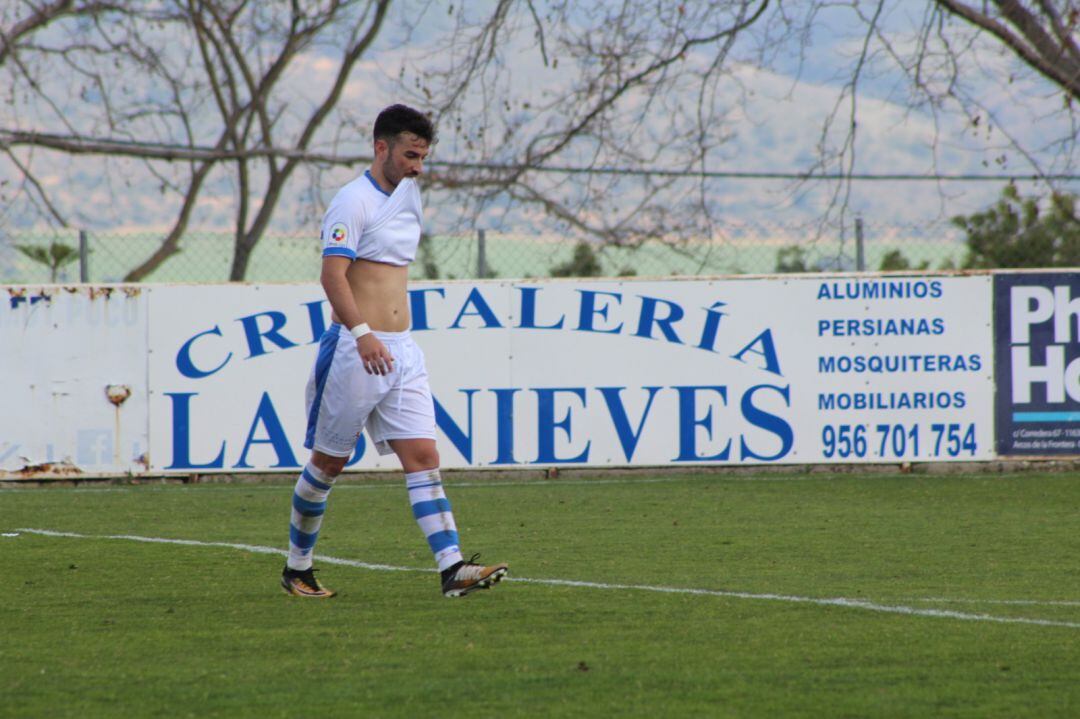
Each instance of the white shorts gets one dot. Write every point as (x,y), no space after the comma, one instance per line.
(342,398)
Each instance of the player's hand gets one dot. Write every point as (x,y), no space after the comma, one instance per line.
(374,355)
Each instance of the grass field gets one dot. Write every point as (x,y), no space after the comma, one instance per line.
(697,595)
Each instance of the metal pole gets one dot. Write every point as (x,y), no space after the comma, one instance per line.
(860,255)
(481,255)
(84,257)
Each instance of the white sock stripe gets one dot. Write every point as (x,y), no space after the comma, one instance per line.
(448,557)
(428,476)
(433,523)
(834,602)
(426,491)
(319,474)
(310,492)
(307,525)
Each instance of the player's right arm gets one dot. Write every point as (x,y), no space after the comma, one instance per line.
(342,228)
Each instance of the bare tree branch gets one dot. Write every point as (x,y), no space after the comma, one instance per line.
(1033,44)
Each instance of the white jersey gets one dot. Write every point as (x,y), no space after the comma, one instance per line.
(364,222)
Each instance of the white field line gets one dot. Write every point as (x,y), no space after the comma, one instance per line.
(794,599)
(1018,602)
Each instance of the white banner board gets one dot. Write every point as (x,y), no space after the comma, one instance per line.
(601,373)
(73,381)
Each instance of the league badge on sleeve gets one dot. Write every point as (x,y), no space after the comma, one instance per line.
(338,233)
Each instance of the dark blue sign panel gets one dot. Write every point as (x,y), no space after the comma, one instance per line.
(1037,361)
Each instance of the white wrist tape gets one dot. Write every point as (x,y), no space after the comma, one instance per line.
(360,330)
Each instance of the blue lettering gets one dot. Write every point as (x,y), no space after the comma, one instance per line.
(767,352)
(504,432)
(275,436)
(628,437)
(358,452)
(589,310)
(648,318)
(768,422)
(461,440)
(255,336)
(317,319)
(34,299)
(483,311)
(712,325)
(187,367)
(418,306)
(546,425)
(528,311)
(688,424)
(181,431)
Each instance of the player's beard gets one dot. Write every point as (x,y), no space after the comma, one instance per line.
(394,174)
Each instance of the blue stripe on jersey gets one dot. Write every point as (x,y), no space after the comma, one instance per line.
(308,508)
(322,371)
(368,175)
(339,252)
(434,506)
(302,540)
(442,540)
(310,479)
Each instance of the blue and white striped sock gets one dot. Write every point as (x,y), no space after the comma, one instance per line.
(432,511)
(308,507)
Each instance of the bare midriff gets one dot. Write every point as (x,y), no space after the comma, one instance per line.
(380,294)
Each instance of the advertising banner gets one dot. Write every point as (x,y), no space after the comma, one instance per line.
(1037,330)
(903,369)
(600,373)
(73,381)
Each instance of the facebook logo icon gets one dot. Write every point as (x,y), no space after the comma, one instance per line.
(93,447)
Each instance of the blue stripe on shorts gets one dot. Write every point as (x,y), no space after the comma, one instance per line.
(322,371)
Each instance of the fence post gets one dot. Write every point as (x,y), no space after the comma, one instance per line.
(84,257)
(481,255)
(860,255)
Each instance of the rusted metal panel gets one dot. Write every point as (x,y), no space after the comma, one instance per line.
(73,377)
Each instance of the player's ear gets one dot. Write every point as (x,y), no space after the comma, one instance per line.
(382,147)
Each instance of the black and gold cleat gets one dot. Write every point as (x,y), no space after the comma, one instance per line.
(467,577)
(302,583)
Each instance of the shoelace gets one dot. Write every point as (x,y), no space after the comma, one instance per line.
(470,569)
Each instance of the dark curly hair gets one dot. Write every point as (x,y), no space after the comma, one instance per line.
(400,118)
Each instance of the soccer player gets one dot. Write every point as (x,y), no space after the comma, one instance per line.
(369,372)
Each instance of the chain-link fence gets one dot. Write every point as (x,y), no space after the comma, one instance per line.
(72,256)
